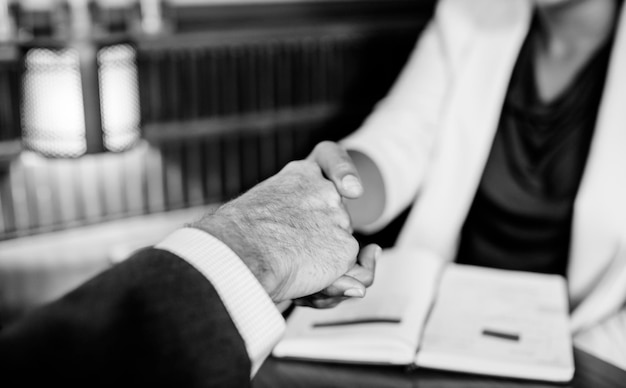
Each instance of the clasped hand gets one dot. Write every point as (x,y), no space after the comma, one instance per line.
(294,233)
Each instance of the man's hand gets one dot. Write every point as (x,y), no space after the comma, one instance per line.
(293,232)
(339,167)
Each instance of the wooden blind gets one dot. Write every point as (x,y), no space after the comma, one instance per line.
(223,106)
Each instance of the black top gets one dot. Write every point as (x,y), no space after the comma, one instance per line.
(522,212)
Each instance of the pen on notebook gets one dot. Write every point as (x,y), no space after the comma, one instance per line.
(360,321)
(501,334)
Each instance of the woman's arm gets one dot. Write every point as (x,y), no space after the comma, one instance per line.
(390,152)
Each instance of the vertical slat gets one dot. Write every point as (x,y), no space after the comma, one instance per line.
(169,87)
(283,77)
(213,83)
(88,172)
(266,74)
(228,86)
(205,86)
(194,173)
(305,56)
(333,63)
(9,100)
(345,51)
(134,178)
(166,107)
(64,192)
(318,73)
(30,192)
(266,77)
(231,165)
(110,171)
(220,80)
(44,194)
(177,98)
(38,191)
(298,79)
(303,141)
(3,229)
(268,154)
(236,59)
(145,94)
(155,184)
(250,161)
(248,84)
(184,85)
(193,100)
(284,146)
(6,100)
(173,169)
(200,71)
(18,192)
(213,171)
(155,62)
(6,203)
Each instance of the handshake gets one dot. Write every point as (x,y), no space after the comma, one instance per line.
(294,233)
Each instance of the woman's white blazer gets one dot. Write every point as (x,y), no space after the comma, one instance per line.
(431,136)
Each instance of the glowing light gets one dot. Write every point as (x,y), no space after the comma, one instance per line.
(53,114)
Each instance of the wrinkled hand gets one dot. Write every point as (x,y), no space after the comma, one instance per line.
(293,233)
(339,168)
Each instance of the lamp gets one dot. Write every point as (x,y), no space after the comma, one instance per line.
(79,87)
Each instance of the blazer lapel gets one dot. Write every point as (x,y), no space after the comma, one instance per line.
(468,128)
(600,210)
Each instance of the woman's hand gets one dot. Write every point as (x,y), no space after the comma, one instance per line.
(350,285)
(338,167)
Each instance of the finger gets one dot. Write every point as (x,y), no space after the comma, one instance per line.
(303,302)
(365,268)
(360,276)
(337,165)
(345,286)
(344,208)
(328,303)
(320,303)
(342,218)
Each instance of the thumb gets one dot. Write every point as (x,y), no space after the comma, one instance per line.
(338,167)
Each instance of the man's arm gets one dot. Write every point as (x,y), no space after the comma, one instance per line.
(152,320)
(254,314)
(155,319)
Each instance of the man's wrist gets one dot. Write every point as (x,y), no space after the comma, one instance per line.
(252,311)
(242,244)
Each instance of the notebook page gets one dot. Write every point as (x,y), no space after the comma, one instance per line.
(384,327)
(499,322)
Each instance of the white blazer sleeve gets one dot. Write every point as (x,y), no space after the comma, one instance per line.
(400,133)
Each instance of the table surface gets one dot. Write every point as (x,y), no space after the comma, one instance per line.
(591,372)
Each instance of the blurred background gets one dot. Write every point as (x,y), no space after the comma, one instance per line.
(121,120)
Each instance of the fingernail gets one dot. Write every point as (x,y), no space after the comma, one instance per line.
(354,293)
(351,184)
(377,253)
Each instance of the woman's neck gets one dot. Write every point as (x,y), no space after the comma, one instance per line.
(571,27)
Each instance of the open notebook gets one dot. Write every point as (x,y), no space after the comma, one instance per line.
(425,313)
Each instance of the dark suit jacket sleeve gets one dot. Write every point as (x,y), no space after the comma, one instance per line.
(152,320)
